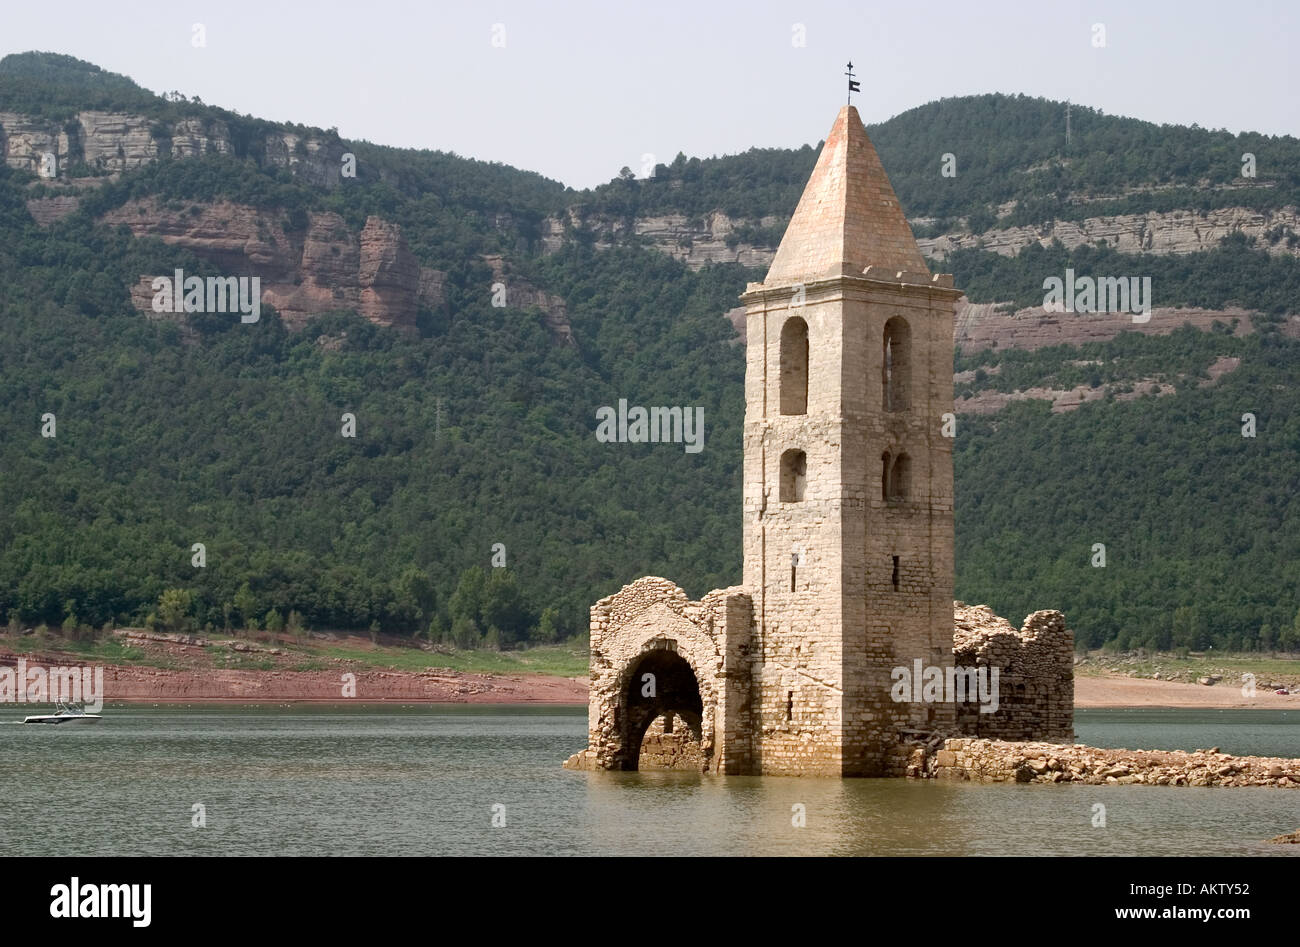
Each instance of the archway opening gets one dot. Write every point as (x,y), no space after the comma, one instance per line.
(664,714)
(896,367)
(794,476)
(900,478)
(794,366)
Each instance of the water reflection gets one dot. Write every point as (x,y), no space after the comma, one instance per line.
(425,781)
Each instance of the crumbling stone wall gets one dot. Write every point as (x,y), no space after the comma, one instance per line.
(1036,674)
(670,743)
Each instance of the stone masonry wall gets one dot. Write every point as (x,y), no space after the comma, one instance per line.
(675,750)
(873,583)
(1036,674)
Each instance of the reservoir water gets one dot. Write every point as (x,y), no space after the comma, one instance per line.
(431,780)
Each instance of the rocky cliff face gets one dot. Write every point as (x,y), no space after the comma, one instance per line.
(46,210)
(520,294)
(1172,232)
(704,240)
(110,141)
(23,140)
(314,160)
(700,241)
(326,268)
(989,326)
(303,274)
(388,275)
(695,241)
(193,137)
(116,141)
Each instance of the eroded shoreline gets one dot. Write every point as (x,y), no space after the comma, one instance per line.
(142,683)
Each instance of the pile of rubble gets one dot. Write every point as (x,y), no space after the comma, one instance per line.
(1001,761)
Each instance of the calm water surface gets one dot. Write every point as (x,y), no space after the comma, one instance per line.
(424,781)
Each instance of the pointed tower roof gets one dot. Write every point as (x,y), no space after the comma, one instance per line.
(848,218)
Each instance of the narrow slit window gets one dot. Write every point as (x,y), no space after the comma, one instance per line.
(789,705)
(895,573)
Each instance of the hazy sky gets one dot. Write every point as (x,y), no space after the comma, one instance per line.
(578,90)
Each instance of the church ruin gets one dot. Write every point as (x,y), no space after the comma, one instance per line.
(848,535)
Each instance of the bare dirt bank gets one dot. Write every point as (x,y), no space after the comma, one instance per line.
(1099,692)
(440,685)
(435,686)
(445,686)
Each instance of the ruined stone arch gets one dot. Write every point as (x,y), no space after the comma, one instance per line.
(794,366)
(678,692)
(650,627)
(664,642)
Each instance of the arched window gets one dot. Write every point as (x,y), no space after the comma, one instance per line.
(896,370)
(794,366)
(900,478)
(885,466)
(794,471)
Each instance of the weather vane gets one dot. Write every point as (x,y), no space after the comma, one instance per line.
(853,85)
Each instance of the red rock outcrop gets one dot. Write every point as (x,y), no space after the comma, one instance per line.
(325,269)
(983,326)
(46,210)
(238,238)
(389,275)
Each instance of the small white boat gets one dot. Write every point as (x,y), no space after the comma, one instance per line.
(65,713)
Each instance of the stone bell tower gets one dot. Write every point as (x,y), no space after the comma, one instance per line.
(848,489)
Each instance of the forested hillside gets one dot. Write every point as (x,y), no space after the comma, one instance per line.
(477,428)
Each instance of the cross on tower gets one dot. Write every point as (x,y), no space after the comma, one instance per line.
(853,86)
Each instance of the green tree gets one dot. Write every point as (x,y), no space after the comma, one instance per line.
(70,621)
(548,630)
(503,609)
(246,605)
(467,601)
(174,607)
(465,633)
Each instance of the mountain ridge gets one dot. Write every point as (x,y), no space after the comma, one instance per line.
(475,419)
